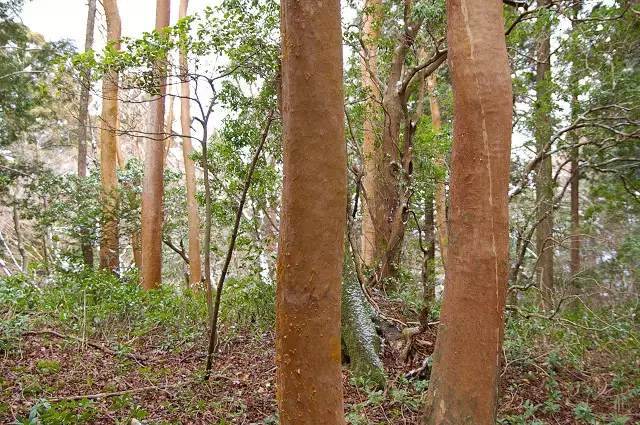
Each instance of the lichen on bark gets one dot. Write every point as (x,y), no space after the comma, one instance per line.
(358,330)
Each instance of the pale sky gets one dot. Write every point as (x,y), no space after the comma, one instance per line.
(67,19)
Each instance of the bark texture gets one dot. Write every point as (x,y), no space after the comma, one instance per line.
(544,170)
(441,186)
(153,183)
(359,334)
(312,225)
(464,379)
(83,124)
(370,33)
(109,244)
(193,216)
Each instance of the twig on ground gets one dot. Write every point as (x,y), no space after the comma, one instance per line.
(96,345)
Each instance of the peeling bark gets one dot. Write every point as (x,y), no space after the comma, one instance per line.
(464,379)
(109,244)
(314,200)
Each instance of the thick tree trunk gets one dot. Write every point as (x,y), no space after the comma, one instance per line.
(358,330)
(83,125)
(370,33)
(312,225)
(464,378)
(109,244)
(193,217)
(153,184)
(544,170)
(441,186)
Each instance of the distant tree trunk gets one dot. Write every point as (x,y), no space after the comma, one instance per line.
(83,125)
(575,171)
(428,266)
(109,246)
(153,183)
(16,224)
(544,170)
(370,33)
(193,218)
(270,240)
(312,225)
(441,186)
(168,129)
(136,237)
(464,380)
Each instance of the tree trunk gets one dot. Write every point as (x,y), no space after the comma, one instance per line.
(310,248)
(544,170)
(270,240)
(465,374)
(575,156)
(16,225)
(441,186)
(428,263)
(168,129)
(153,183)
(83,125)
(370,33)
(358,330)
(109,246)
(193,218)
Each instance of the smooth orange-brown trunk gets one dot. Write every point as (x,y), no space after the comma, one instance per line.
(464,379)
(109,244)
(193,217)
(441,186)
(312,225)
(153,184)
(369,67)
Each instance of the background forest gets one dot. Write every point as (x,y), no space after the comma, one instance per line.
(167,151)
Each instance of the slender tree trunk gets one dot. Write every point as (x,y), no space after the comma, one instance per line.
(153,183)
(310,248)
(136,237)
(270,240)
(193,218)
(16,224)
(464,379)
(428,266)
(109,246)
(83,124)
(369,66)
(168,129)
(544,171)
(575,171)
(441,186)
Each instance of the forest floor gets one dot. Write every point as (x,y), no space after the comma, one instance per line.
(61,380)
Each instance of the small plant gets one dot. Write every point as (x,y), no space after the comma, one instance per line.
(48,367)
(582,412)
